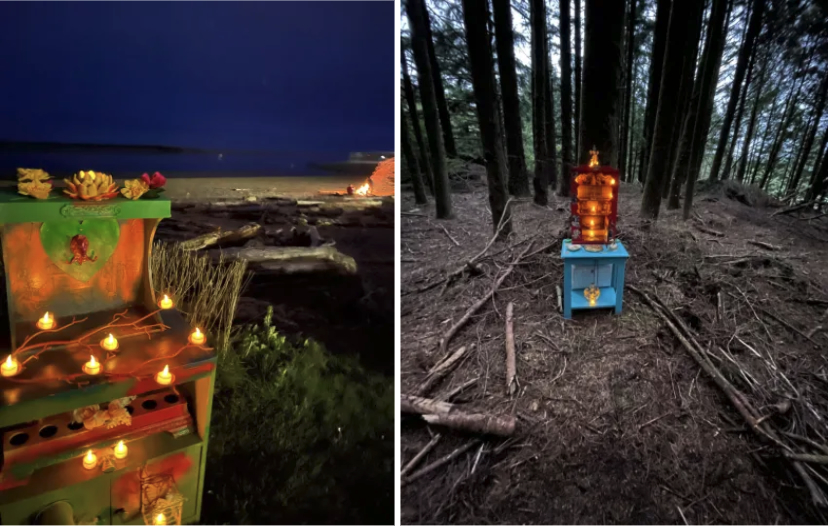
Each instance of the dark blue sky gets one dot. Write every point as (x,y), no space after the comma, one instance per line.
(298,77)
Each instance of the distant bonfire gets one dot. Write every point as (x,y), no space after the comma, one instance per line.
(379,183)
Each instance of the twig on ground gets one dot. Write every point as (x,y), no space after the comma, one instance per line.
(441,369)
(708,230)
(420,455)
(762,244)
(439,462)
(456,391)
(455,241)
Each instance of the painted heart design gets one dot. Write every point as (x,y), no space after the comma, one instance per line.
(102,238)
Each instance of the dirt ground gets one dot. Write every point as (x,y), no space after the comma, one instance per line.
(616,423)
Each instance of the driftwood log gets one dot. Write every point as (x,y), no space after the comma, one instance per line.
(447,415)
(292,260)
(221,237)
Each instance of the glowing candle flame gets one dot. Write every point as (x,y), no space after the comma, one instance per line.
(90,460)
(10,367)
(165,302)
(197,337)
(110,343)
(9,362)
(159,519)
(46,322)
(164,377)
(120,450)
(92,366)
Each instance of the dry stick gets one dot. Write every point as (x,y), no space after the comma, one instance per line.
(734,396)
(708,230)
(417,458)
(438,463)
(793,208)
(805,440)
(444,342)
(787,325)
(456,391)
(767,246)
(814,459)
(440,370)
(512,382)
(421,406)
(455,241)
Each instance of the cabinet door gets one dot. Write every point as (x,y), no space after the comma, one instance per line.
(583,276)
(604,274)
(89,500)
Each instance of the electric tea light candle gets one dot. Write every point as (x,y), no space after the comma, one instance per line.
(165,302)
(110,343)
(90,460)
(92,366)
(159,519)
(120,450)
(11,366)
(197,337)
(164,377)
(46,322)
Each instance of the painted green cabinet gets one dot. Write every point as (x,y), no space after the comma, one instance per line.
(88,265)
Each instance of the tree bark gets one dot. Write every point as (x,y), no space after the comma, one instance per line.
(577,79)
(623,149)
(681,142)
(752,121)
(780,135)
(817,185)
(411,161)
(475,18)
(550,120)
(707,86)
(738,120)
(443,201)
(566,99)
(764,142)
(518,183)
(810,137)
(539,71)
(411,102)
(742,62)
(440,93)
(659,165)
(660,35)
(601,83)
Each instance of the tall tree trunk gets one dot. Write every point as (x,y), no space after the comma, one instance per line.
(742,63)
(629,83)
(738,120)
(443,200)
(680,152)
(475,17)
(440,93)
(764,141)
(660,35)
(577,79)
(633,149)
(550,120)
(810,136)
(566,100)
(518,183)
(411,161)
(411,102)
(818,179)
(601,81)
(752,121)
(680,31)
(780,136)
(710,70)
(538,19)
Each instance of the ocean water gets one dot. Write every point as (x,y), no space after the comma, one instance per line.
(127,163)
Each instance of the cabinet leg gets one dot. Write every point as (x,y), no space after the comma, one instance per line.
(568,284)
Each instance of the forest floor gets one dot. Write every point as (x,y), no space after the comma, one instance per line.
(616,423)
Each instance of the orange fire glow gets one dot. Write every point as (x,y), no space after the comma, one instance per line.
(363,190)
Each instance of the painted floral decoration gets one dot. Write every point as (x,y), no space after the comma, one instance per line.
(155,183)
(91,186)
(33,182)
(135,188)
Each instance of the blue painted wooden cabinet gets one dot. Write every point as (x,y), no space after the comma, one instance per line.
(605,270)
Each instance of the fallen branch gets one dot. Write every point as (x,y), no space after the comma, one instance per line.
(447,415)
(456,391)
(440,370)
(444,342)
(455,241)
(294,260)
(767,246)
(417,458)
(708,230)
(512,382)
(439,462)
(737,399)
(813,459)
(786,324)
(793,208)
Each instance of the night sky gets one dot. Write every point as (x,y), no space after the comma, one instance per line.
(309,78)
